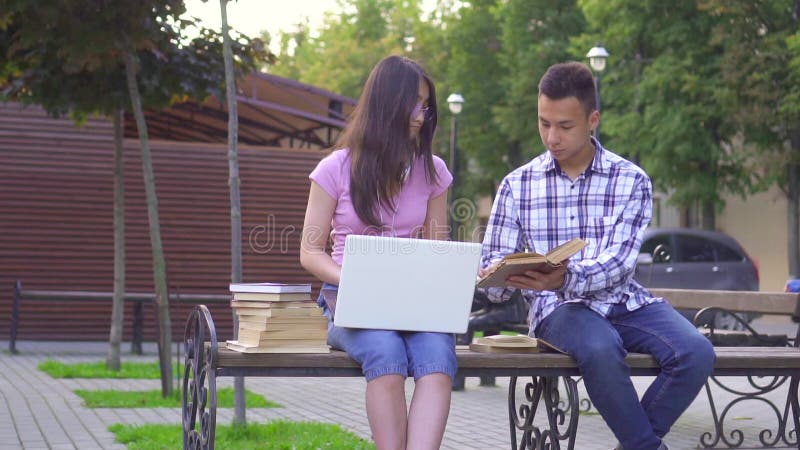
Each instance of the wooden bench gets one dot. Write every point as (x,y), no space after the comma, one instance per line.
(206,360)
(707,303)
(138,299)
(730,302)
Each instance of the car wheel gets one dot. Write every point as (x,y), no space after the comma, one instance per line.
(725,321)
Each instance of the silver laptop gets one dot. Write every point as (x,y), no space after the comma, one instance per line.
(406,284)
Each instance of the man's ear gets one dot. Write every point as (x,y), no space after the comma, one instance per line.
(594,120)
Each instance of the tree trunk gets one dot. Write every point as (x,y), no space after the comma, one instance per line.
(118,303)
(514,154)
(709,215)
(793,223)
(159,266)
(239,411)
(793,210)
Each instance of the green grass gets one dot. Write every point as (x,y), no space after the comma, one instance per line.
(277,435)
(97,369)
(153,399)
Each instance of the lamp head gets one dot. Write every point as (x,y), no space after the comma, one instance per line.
(455,102)
(597,58)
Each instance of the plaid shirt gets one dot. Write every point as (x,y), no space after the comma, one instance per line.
(609,205)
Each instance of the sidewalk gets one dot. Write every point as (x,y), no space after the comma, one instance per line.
(39,412)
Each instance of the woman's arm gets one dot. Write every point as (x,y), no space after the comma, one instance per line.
(316,232)
(435,226)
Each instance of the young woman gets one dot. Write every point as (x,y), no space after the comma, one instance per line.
(384,180)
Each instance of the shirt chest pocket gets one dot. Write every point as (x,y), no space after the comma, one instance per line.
(600,230)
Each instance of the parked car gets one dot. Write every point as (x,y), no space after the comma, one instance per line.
(685,258)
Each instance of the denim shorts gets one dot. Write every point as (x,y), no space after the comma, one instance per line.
(389,352)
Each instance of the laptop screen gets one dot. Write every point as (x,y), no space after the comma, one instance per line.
(406,284)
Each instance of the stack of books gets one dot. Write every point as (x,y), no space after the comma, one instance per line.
(278,318)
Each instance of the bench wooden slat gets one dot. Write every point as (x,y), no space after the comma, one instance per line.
(337,359)
(727,358)
(785,303)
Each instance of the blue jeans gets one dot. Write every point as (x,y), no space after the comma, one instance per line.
(390,352)
(599,345)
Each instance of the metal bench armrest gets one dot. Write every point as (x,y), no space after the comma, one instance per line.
(199,390)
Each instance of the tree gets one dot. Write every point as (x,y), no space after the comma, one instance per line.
(665,100)
(792,109)
(85,57)
(761,44)
(233,183)
(473,36)
(535,35)
(349,44)
(118,300)
(498,52)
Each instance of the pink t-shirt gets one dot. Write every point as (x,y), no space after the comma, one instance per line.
(333,176)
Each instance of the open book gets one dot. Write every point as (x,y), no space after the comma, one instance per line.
(503,343)
(517,263)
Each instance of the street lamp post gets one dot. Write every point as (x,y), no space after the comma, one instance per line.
(597,59)
(455,102)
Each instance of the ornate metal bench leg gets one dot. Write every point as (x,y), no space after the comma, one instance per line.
(199,390)
(521,417)
(707,439)
(758,388)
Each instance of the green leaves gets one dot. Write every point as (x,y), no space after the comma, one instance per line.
(67,55)
(350,44)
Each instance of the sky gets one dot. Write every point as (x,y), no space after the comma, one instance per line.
(252,16)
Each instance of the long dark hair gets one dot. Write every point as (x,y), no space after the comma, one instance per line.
(381,150)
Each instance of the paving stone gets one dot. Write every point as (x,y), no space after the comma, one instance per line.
(38,412)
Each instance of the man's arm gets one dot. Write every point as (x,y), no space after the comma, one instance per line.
(503,236)
(592,278)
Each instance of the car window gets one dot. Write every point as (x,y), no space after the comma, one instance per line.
(725,253)
(659,246)
(695,249)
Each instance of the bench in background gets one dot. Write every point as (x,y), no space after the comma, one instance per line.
(78,297)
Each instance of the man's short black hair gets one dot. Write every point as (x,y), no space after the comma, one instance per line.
(570,79)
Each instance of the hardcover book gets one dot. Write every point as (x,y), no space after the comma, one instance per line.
(270,288)
(244,348)
(518,263)
(502,343)
(265,297)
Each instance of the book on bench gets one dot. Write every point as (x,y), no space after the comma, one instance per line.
(518,263)
(300,348)
(271,288)
(505,343)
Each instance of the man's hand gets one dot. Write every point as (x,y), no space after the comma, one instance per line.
(539,281)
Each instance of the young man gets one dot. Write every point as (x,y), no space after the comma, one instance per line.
(591,307)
